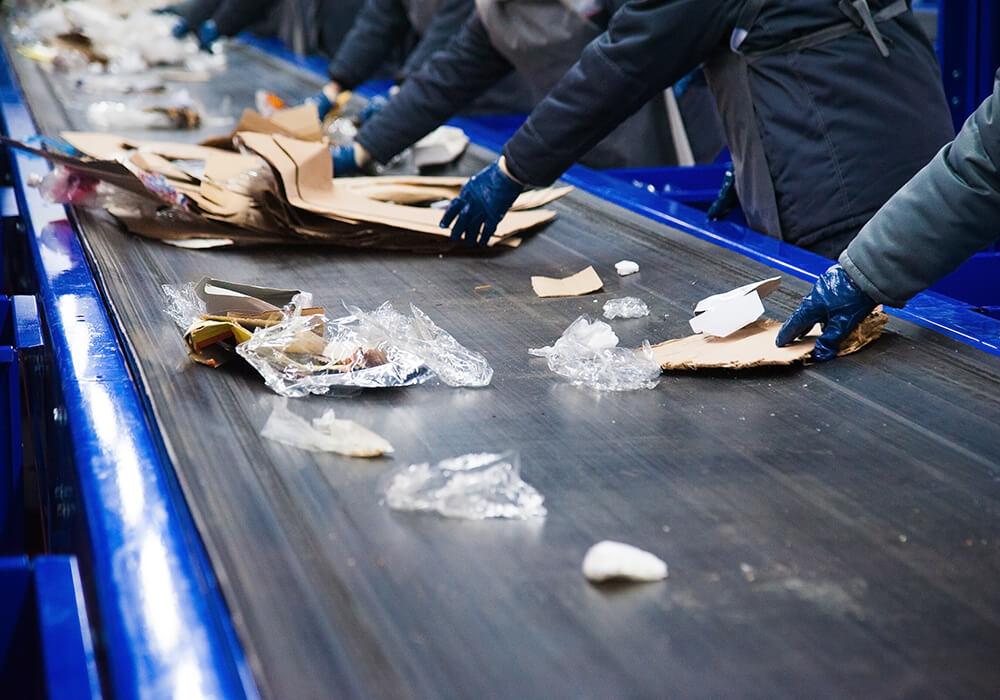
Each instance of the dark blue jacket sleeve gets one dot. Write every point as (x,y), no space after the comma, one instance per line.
(946,213)
(649,45)
(196,13)
(452,79)
(379,26)
(447,23)
(233,16)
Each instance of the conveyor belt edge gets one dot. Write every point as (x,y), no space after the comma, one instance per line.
(931,310)
(164,625)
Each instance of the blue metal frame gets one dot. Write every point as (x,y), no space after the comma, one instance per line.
(164,626)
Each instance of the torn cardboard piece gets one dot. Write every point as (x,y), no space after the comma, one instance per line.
(753,346)
(583,282)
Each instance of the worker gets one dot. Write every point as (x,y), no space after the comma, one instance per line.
(210,20)
(828,108)
(946,213)
(540,39)
(382,26)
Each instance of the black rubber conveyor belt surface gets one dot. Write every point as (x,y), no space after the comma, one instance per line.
(830,531)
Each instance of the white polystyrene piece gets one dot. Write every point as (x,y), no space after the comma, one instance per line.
(609,560)
(727,318)
(626,267)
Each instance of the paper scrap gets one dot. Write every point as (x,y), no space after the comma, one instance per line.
(583,282)
(729,316)
(626,267)
(763,289)
(324,434)
(609,560)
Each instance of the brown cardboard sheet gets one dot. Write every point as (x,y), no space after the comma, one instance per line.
(753,346)
(583,282)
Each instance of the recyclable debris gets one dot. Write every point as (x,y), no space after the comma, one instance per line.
(324,434)
(587,353)
(626,267)
(472,487)
(610,561)
(583,282)
(626,307)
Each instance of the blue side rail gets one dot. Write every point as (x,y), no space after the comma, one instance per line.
(164,628)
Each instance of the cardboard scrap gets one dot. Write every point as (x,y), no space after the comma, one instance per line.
(197,192)
(753,346)
(583,282)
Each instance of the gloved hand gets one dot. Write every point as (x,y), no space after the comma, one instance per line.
(481,205)
(167,10)
(727,200)
(207,35)
(344,161)
(837,304)
(373,107)
(322,101)
(181,29)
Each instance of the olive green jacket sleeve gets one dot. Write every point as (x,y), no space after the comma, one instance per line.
(949,211)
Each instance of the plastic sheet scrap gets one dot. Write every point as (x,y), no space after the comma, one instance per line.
(587,352)
(181,114)
(472,487)
(324,434)
(305,354)
(626,307)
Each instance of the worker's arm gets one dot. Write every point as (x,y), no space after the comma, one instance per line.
(233,16)
(379,26)
(446,24)
(193,15)
(649,44)
(947,212)
(453,78)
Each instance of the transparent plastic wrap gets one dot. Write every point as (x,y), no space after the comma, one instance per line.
(626,307)
(114,116)
(254,181)
(341,131)
(324,434)
(184,306)
(472,487)
(63,185)
(383,348)
(587,353)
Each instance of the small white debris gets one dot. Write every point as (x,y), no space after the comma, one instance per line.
(626,267)
(324,434)
(748,572)
(609,560)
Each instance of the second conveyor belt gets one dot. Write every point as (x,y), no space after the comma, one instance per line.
(830,531)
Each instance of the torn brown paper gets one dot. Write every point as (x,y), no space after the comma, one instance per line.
(753,346)
(583,282)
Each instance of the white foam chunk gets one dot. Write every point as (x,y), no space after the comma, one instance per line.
(609,560)
(626,267)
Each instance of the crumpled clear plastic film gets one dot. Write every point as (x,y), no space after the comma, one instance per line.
(453,363)
(473,487)
(383,348)
(626,307)
(184,306)
(587,352)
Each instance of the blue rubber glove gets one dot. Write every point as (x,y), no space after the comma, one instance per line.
(344,162)
(837,304)
(167,10)
(481,205)
(322,102)
(207,35)
(373,107)
(181,29)
(727,199)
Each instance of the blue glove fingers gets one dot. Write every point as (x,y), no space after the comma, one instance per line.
(466,227)
(489,228)
(344,162)
(798,324)
(453,210)
(839,327)
(181,29)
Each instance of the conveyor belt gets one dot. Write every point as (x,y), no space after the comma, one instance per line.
(833,531)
